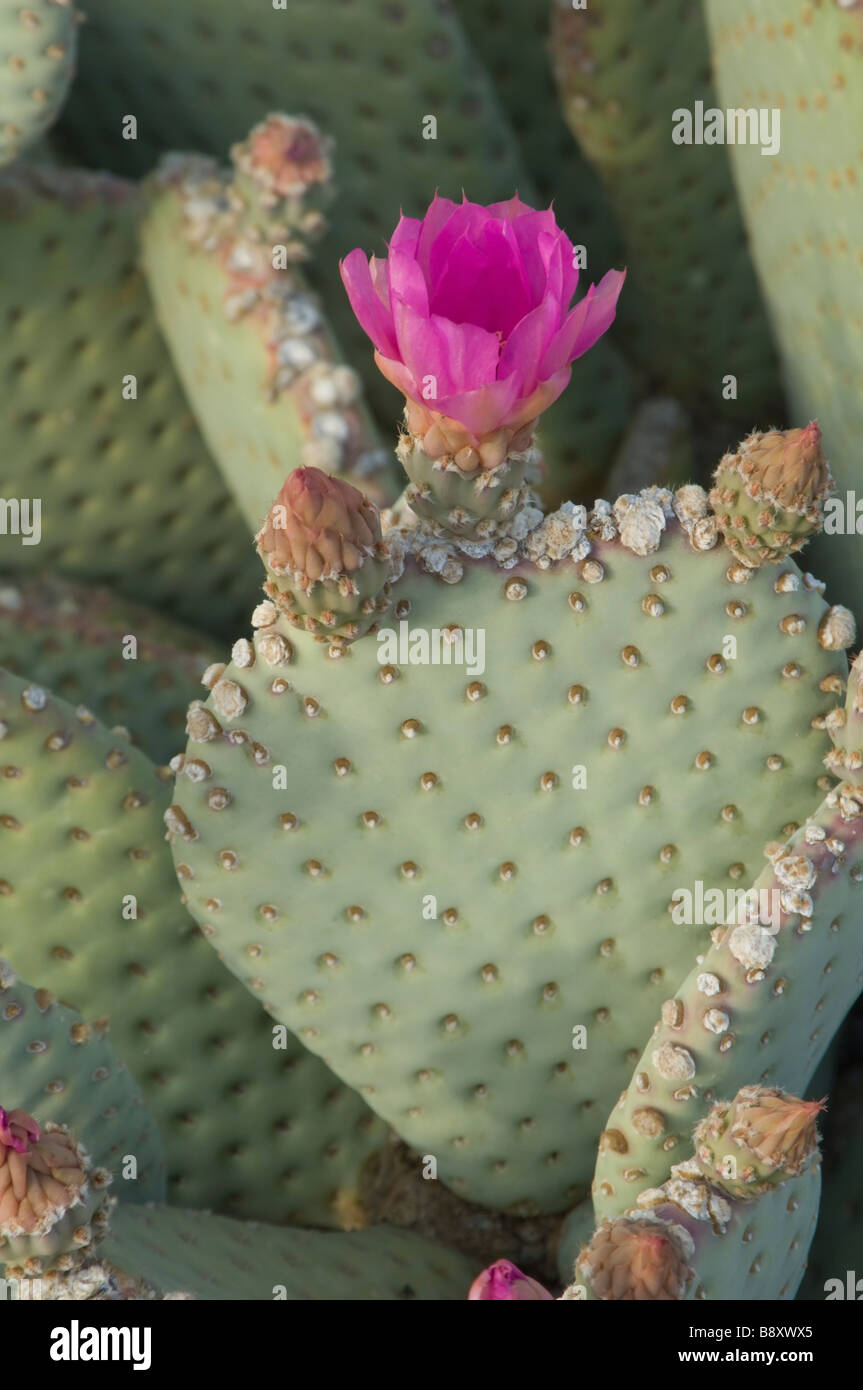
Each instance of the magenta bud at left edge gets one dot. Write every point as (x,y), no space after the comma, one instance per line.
(504,1280)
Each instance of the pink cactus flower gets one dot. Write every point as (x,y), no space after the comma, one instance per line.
(470,318)
(504,1281)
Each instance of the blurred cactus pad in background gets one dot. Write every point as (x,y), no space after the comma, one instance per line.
(431,826)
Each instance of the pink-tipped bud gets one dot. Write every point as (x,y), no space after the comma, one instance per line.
(41,1174)
(287,155)
(769,494)
(635,1259)
(777,1129)
(319,527)
(18,1130)
(788,467)
(758,1140)
(504,1281)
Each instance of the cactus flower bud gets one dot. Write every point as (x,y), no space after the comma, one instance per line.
(17,1130)
(283,180)
(288,155)
(757,1141)
(41,1173)
(470,318)
(769,496)
(635,1259)
(505,1281)
(51,1199)
(319,527)
(322,546)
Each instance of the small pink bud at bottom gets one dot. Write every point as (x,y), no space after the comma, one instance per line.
(504,1281)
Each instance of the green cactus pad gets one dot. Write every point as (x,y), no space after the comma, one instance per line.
(128,492)
(692,310)
(37,55)
(62,1070)
(70,637)
(256,1129)
(205,1256)
(253,350)
(759,1006)
(805,217)
(393,68)
(405,870)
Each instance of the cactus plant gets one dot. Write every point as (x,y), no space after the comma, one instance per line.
(688,753)
(476,810)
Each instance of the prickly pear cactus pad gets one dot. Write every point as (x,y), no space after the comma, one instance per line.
(60,1068)
(454,883)
(125,488)
(72,637)
(197,1255)
(804,214)
(694,314)
(89,907)
(763,1001)
(251,342)
(38,42)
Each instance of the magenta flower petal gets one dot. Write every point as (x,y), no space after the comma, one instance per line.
(483,281)
(407,282)
(406,235)
(504,1282)
(590,318)
(373,317)
(439,213)
(459,356)
(526,345)
(483,410)
(400,376)
(509,210)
